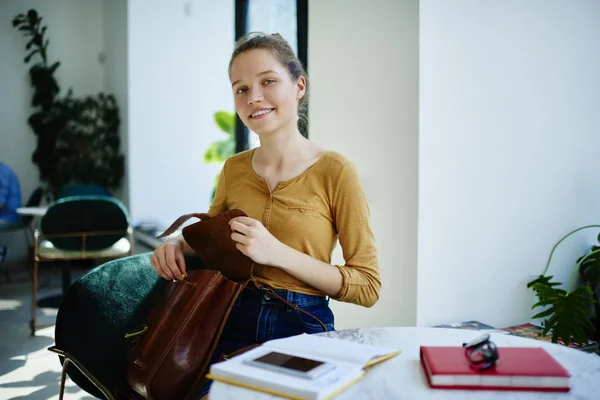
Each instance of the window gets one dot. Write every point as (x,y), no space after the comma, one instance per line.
(289,18)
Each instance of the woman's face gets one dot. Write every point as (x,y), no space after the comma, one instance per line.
(266,98)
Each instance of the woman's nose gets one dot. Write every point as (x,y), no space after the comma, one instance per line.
(255,96)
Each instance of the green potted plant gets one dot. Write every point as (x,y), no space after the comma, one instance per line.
(219,151)
(570,314)
(77,138)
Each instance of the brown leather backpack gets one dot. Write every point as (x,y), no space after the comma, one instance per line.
(171,351)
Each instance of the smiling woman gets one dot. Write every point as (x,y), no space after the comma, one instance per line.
(299,200)
(264,76)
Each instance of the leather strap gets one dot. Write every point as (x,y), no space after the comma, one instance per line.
(271,291)
(179,221)
(238,352)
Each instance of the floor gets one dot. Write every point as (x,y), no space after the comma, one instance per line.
(27,369)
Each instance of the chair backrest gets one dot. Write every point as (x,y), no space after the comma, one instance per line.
(97,311)
(89,214)
(83,190)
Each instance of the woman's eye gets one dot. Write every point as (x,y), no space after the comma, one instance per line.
(241,90)
(269,81)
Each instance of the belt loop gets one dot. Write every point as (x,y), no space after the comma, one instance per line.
(290,296)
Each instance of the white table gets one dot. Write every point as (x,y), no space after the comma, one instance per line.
(32,211)
(402,378)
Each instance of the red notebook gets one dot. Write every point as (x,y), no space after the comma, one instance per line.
(519,368)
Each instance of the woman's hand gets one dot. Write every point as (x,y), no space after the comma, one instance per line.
(168,261)
(256,242)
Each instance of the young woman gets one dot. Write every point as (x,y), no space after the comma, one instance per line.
(299,198)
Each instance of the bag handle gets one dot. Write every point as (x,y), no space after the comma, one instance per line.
(179,221)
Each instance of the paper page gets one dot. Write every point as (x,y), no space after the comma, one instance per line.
(333,349)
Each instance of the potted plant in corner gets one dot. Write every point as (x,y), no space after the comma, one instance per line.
(77,138)
(571,315)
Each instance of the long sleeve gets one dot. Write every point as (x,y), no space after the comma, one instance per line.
(219,203)
(361,281)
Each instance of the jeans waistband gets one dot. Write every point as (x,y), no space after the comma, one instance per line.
(299,299)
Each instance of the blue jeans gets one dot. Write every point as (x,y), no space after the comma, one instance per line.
(257,317)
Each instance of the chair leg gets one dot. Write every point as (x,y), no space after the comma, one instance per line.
(63,377)
(34,297)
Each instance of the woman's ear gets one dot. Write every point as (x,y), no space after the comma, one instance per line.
(300,87)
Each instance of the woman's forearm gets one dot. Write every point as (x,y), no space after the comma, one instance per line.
(320,275)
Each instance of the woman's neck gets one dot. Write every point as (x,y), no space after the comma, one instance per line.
(281,147)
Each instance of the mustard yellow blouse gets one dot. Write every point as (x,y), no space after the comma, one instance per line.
(309,213)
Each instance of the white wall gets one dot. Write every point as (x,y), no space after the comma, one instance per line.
(509,118)
(76,39)
(363,72)
(177,75)
(115,78)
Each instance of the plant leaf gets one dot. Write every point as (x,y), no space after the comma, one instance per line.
(569,314)
(32,14)
(589,270)
(543,314)
(54,66)
(211,155)
(226,121)
(31,55)
(18,20)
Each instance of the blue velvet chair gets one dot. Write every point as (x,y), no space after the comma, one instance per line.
(79,228)
(97,312)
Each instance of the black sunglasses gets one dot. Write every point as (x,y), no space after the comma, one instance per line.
(481,353)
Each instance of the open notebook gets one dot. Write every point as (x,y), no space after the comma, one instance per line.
(346,363)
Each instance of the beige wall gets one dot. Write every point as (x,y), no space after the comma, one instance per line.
(363,69)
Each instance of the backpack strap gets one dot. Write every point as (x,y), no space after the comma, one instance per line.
(272,292)
(179,221)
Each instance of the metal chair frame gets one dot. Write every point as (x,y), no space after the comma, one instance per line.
(38,236)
